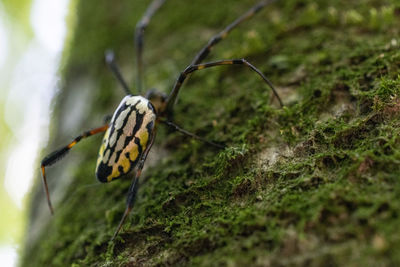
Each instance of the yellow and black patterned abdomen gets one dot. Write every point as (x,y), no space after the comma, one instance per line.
(126,139)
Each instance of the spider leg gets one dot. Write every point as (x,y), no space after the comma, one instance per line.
(183,131)
(224,33)
(58,154)
(112,64)
(178,84)
(134,186)
(139,33)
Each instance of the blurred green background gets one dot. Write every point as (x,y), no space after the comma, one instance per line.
(16,32)
(31,39)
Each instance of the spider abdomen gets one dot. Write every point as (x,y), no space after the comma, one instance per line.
(126,138)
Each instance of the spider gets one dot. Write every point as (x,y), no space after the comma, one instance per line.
(131,131)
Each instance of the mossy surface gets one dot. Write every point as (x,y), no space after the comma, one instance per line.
(314,183)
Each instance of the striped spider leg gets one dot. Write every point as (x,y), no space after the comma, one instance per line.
(139,33)
(224,33)
(134,187)
(195,64)
(191,68)
(58,154)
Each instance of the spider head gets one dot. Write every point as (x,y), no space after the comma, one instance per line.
(158,99)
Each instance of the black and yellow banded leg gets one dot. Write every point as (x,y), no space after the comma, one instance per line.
(112,64)
(224,33)
(178,84)
(58,154)
(130,200)
(183,131)
(139,32)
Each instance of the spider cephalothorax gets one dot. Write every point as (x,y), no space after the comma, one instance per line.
(159,101)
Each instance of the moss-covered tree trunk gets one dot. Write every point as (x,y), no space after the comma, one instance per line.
(314,183)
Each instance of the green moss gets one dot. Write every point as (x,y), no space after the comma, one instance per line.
(315,182)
